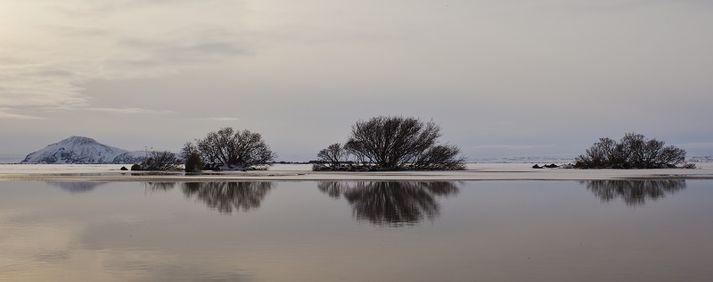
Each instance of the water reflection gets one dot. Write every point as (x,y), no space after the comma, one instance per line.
(160,186)
(391,203)
(492,231)
(228,196)
(76,187)
(634,192)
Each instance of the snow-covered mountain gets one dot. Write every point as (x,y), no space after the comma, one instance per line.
(82,150)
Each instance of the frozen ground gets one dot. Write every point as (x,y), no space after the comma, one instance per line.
(482,171)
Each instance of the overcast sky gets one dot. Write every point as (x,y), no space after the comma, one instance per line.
(502,77)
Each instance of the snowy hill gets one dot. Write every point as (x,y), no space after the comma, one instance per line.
(82,150)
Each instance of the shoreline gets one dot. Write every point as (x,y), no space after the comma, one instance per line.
(299,175)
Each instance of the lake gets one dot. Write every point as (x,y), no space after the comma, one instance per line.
(604,230)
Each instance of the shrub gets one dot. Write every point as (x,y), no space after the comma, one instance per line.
(192,158)
(392,143)
(160,161)
(333,154)
(440,158)
(234,149)
(632,151)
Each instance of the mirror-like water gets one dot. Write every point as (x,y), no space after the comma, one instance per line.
(633,230)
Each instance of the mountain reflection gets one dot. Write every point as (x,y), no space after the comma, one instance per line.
(228,196)
(391,203)
(634,192)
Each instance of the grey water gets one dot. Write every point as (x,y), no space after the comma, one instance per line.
(622,230)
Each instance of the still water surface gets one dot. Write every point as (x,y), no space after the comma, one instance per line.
(357,231)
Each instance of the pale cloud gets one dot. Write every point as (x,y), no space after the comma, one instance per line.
(127,110)
(5,114)
(49,53)
(217,119)
(38,86)
(622,5)
(512,77)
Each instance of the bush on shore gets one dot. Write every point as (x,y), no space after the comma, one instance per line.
(161,161)
(193,161)
(228,148)
(633,151)
(158,161)
(391,143)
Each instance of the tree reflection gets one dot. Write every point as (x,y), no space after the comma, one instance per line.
(634,192)
(391,203)
(76,186)
(228,196)
(160,186)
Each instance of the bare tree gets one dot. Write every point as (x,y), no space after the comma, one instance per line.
(632,151)
(160,161)
(192,158)
(671,156)
(334,154)
(440,157)
(392,143)
(232,148)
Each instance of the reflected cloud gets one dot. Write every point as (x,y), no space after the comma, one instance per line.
(77,187)
(152,268)
(52,256)
(228,196)
(391,203)
(634,192)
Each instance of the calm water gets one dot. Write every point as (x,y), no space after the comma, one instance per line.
(357,231)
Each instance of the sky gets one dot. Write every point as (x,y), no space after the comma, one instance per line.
(503,78)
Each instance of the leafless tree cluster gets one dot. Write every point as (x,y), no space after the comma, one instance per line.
(632,151)
(334,154)
(192,158)
(440,157)
(232,148)
(394,143)
(159,161)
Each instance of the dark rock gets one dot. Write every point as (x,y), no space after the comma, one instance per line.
(537,166)
(689,166)
(135,167)
(124,168)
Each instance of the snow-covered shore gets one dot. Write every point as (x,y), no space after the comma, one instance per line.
(484,171)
